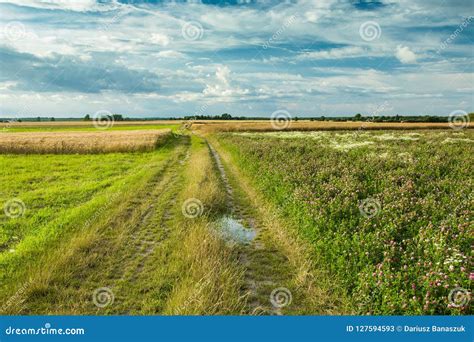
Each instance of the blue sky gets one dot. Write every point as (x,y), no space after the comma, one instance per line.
(173,58)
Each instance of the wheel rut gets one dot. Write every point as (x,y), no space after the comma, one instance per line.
(262,262)
(120,259)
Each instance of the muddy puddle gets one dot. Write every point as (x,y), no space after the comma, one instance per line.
(233,231)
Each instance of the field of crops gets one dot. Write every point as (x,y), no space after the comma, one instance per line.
(213,126)
(388,214)
(83,142)
(197,221)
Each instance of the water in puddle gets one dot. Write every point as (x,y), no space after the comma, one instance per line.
(233,231)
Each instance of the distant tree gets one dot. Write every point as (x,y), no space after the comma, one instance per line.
(358,117)
(38,119)
(226,116)
(117,117)
(53,119)
(87,117)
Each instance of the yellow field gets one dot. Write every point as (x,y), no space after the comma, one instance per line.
(82,142)
(306,125)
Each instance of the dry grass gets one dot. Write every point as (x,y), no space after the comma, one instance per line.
(210,278)
(82,142)
(306,125)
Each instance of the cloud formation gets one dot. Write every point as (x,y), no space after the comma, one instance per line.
(169,58)
(405,55)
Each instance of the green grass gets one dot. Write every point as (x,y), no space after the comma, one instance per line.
(415,250)
(61,193)
(116,221)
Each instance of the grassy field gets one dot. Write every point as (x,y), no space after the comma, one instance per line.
(204,221)
(72,126)
(387,214)
(60,195)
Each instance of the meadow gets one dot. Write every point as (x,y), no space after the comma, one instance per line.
(211,218)
(387,214)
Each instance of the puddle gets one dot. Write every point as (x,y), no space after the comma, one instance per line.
(232,230)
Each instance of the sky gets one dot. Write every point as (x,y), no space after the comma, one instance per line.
(243,57)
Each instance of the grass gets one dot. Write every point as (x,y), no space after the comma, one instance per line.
(414,251)
(210,277)
(63,195)
(84,126)
(288,257)
(114,222)
(130,237)
(83,142)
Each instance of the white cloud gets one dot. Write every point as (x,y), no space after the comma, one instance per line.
(405,55)
(346,52)
(160,39)
(70,5)
(301,67)
(220,87)
(170,54)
